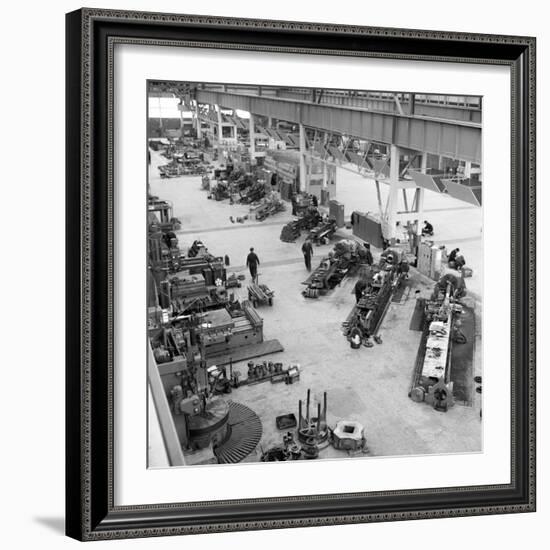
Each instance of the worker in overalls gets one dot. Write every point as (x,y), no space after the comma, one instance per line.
(307,251)
(252,262)
(360,287)
(369,260)
(428,229)
(294,201)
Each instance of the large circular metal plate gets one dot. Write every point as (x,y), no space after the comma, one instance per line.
(245,432)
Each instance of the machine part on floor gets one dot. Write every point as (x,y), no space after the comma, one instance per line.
(289,450)
(349,435)
(323,232)
(291,231)
(418,394)
(233,282)
(186,159)
(440,396)
(431,380)
(244,431)
(267,371)
(182,167)
(220,191)
(332,269)
(310,292)
(260,294)
(368,313)
(286,421)
(269,206)
(293,375)
(305,221)
(342,261)
(310,448)
(355,338)
(275,454)
(313,431)
(253,193)
(310,217)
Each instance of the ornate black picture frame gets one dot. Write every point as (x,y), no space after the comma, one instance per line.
(91,35)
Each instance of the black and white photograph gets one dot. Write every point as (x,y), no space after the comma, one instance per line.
(314,273)
(283,291)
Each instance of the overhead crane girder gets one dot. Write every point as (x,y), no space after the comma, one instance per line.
(448,138)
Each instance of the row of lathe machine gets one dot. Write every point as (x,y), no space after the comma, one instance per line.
(196,328)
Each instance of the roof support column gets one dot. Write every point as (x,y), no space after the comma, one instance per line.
(388,227)
(198,123)
(182,124)
(252,133)
(303,151)
(420,196)
(220,128)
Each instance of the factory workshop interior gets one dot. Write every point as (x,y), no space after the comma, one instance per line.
(315,268)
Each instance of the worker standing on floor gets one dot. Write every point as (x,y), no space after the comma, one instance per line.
(252,262)
(360,287)
(307,251)
(368,256)
(294,201)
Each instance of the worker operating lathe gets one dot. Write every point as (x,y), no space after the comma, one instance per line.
(359,288)
(252,262)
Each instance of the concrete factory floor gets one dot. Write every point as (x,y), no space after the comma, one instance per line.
(366,385)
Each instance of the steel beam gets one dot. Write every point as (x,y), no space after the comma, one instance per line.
(220,131)
(389,221)
(453,139)
(303,150)
(252,134)
(420,197)
(412,105)
(198,121)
